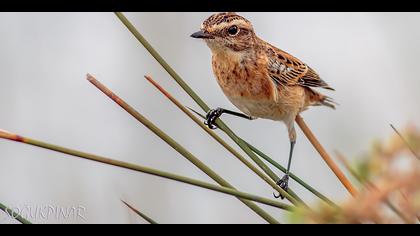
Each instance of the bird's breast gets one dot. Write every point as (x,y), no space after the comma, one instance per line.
(247,84)
(243,78)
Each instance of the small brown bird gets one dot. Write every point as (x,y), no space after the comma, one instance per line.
(261,80)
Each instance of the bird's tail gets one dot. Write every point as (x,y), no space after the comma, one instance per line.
(317,99)
(329,102)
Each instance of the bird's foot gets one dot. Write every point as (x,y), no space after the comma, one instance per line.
(284,184)
(211,117)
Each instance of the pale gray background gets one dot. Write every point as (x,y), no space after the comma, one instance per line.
(370,58)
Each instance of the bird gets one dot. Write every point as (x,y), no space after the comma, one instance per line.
(259,79)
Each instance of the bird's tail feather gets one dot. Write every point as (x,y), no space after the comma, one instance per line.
(329,102)
(317,99)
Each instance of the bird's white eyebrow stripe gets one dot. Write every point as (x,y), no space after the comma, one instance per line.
(222,25)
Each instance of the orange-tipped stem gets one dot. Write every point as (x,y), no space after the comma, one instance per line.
(327,158)
(142,215)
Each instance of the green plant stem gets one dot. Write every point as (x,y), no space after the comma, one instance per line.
(138,168)
(405,142)
(176,146)
(198,100)
(293,176)
(14,215)
(142,215)
(221,141)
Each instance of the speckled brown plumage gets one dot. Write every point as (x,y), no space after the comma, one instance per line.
(259,79)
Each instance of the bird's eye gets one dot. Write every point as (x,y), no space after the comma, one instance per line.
(233,30)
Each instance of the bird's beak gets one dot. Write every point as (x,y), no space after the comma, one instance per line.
(202,35)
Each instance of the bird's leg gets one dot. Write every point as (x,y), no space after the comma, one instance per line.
(284,182)
(213,114)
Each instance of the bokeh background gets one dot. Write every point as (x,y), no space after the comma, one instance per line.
(371,59)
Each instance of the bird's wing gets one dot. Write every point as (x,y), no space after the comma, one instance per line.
(286,69)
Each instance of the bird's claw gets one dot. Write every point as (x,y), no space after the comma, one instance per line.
(211,117)
(284,184)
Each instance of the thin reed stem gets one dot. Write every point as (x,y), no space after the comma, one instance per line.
(330,162)
(142,215)
(161,61)
(13,214)
(405,142)
(176,146)
(142,169)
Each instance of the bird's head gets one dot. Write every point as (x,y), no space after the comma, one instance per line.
(227,31)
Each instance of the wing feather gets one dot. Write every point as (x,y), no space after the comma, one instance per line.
(285,69)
